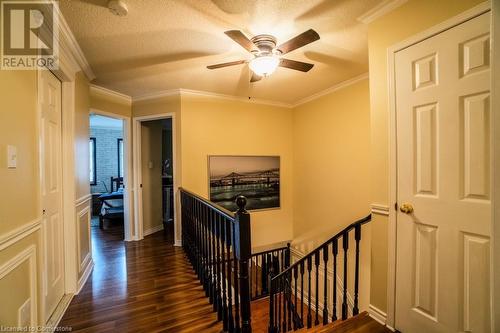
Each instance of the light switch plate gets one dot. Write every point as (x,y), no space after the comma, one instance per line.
(11,157)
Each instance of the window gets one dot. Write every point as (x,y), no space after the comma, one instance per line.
(120,157)
(92,162)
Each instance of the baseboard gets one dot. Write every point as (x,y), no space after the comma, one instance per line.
(178,243)
(85,276)
(377,314)
(153,230)
(59,312)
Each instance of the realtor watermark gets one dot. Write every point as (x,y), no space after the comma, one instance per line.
(29,35)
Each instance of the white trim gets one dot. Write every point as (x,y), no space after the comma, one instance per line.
(29,254)
(235,98)
(178,242)
(58,313)
(128,192)
(72,45)
(88,256)
(391,87)
(173,92)
(152,230)
(495,170)
(137,169)
(380,209)
(380,10)
(377,314)
(85,276)
(83,199)
(69,186)
(17,234)
(156,95)
(333,88)
(111,93)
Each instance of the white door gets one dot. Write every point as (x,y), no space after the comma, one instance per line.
(51,188)
(443,140)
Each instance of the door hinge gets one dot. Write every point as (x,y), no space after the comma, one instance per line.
(396,206)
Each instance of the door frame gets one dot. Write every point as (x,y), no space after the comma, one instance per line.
(137,164)
(393,194)
(127,175)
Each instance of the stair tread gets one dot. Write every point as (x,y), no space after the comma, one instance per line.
(359,323)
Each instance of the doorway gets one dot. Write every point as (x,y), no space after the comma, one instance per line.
(443,181)
(154,167)
(106,176)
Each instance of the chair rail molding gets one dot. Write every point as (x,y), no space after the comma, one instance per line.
(380,209)
(19,233)
(80,201)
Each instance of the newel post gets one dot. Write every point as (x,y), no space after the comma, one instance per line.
(243,248)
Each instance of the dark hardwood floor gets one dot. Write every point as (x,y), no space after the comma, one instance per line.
(146,286)
(150,286)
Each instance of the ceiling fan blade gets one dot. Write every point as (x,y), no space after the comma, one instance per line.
(297,65)
(226,64)
(304,38)
(255,77)
(241,39)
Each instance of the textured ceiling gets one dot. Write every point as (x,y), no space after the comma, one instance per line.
(167,44)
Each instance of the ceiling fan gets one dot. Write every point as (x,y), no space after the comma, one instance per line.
(268,56)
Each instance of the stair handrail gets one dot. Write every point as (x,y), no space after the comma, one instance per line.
(353,225)
(210,235)
(286,318)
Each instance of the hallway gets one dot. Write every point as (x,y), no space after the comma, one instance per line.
(146,286)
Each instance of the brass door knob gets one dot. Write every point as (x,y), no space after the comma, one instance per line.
(406,208)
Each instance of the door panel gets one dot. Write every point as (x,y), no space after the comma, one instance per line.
(52,224)
(443,148)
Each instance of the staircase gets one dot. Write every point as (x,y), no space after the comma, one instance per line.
(283,296)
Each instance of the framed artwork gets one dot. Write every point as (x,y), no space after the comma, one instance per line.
(255,177)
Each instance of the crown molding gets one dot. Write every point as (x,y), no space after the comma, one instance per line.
(235,98)
(69,45)
(333,88)
(111,93)
(380,10)
(171,92)
(155,95)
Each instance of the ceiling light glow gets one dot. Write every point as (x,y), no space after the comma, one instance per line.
(264,65)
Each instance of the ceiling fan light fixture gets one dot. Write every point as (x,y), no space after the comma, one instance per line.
(264,65)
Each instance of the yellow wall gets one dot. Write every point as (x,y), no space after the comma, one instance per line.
(331,177)
(409,19)
(19,202)
(151,142)
(214,126)
(19,198)
(82,100)
(331,156)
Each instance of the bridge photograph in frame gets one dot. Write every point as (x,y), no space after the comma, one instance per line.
(255,177)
